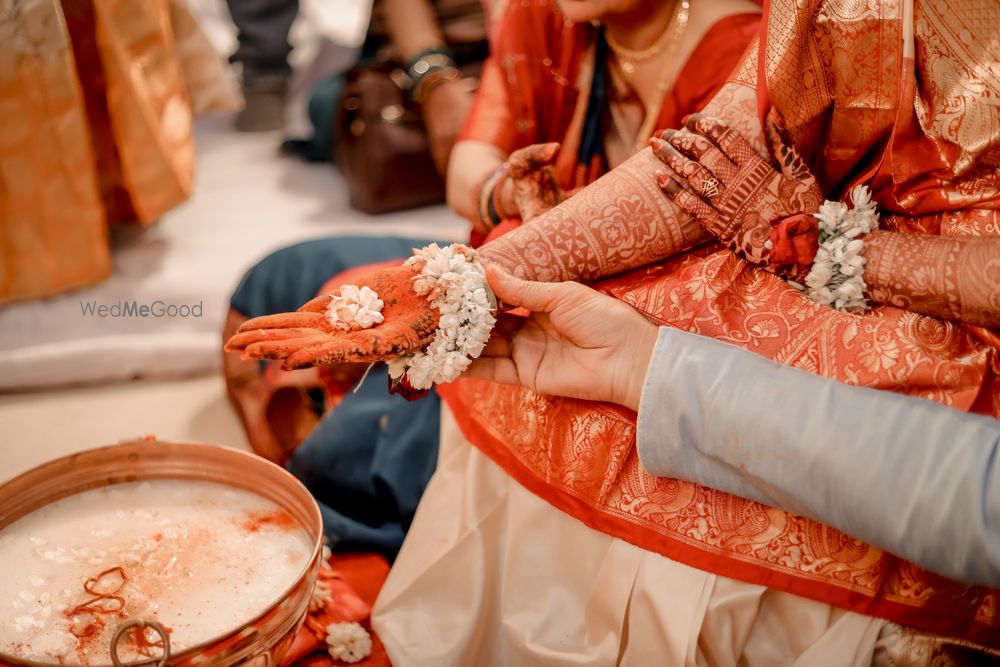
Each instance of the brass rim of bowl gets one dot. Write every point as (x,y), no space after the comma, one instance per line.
(79,478)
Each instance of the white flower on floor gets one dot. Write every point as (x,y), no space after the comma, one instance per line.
(454,281)
(348,642)
(321,596)
(355,308)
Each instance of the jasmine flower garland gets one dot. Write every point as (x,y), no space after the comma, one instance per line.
(321,596)
(836,278)
(455,283)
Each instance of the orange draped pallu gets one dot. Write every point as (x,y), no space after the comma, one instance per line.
(861,100)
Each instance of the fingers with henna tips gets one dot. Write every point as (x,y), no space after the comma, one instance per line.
(306,337)
(338,351)
(732,144)
(698,177)
(702,150)
(241,341)
(286,321)
(370,345)
(281,349)
(697,207)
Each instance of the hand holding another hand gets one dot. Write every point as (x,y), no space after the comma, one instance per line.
(576,343)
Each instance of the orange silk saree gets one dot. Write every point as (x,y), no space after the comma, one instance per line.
(894,94)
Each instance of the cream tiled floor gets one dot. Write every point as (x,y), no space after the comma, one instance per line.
(38,426)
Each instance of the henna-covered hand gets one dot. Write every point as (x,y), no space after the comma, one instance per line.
(532,187)
(307,338)
(620,222)
(733,191)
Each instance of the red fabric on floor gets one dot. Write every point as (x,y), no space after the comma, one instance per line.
(354,581)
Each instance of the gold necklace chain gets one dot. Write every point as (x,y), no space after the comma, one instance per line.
(628,58)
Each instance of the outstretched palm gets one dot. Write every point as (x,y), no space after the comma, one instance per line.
(307,337)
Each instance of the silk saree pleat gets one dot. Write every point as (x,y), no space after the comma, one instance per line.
(52,231)
(96,104)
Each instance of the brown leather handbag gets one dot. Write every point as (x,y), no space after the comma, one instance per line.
(381,143)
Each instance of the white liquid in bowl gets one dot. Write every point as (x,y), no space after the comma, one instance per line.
(200,558)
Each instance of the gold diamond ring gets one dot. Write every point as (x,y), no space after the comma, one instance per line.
(710,188)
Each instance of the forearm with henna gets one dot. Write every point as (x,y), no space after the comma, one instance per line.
(766,217)
(951,278)
(620,222)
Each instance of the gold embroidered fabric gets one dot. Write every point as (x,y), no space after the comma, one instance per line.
(862,91)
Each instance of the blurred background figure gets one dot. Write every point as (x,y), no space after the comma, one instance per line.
(262,51)
(97,105)
(431,50)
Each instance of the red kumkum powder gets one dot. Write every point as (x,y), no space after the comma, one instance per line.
(278,519)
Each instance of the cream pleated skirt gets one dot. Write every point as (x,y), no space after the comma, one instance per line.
(492,575)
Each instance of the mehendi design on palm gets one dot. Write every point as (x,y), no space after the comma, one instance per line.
(307,338)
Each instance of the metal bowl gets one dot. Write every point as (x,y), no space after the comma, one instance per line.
(261,642)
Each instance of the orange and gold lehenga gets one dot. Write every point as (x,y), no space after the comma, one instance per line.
(899,95)
(96,101)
